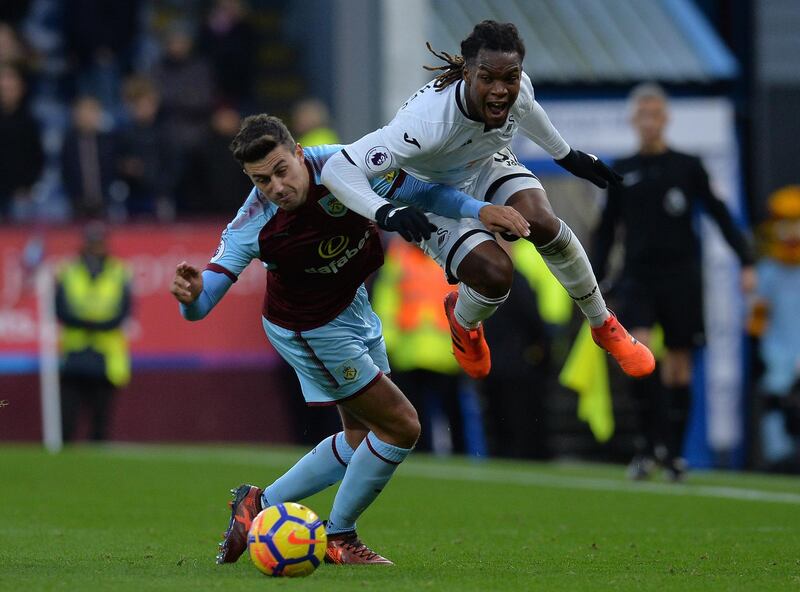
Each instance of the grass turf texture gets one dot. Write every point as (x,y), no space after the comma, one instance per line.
(149,518)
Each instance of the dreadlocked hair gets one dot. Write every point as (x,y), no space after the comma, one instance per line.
(258,136)
(486,35)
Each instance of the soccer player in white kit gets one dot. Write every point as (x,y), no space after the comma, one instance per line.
(456,130)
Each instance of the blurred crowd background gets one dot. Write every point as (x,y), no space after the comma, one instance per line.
(123,111)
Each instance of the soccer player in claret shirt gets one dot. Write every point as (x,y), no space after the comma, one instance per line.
(317,316)
(456,130)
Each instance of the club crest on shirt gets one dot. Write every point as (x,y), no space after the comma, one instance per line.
(332,206)
(378,159)
(219,252)
(675,202)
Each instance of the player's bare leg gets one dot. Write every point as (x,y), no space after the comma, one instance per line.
(567,261)
(354,430)
(393,430)
(485,274)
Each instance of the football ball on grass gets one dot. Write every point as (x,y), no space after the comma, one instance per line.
(287,540)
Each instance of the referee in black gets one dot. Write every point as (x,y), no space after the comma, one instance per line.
(661,279)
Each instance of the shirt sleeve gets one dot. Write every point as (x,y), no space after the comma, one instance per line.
(717,209)
(238,245)
(436,198)
(215,286)
(404,140)
(536,125)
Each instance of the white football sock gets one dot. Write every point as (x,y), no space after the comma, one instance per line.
(567,261)
(472,307)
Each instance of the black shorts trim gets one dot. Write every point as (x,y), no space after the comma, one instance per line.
(451,277)
(499,182)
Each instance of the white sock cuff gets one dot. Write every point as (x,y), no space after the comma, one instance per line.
(341,449)
(562,240)
(464,291)
(388,453)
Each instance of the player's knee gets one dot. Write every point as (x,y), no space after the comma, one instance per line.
(499,276)
(535,207)
(544,226)
(408,427)
(488,270)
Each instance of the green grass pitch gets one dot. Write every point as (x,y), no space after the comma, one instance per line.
(149,518)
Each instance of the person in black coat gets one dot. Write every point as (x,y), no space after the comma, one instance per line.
(213,183)
(87,160)
(661,279)
(21,154)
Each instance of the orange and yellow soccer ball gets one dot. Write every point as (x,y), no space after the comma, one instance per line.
(287,540)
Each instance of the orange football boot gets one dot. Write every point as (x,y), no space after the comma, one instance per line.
(245,506)
(634,358)
(469,345)
(347,549)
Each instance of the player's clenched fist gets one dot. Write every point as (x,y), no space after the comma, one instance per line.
(187,283)
(504,219)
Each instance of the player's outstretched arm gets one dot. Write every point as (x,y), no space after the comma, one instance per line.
(451,203)
(538,127)
(198,293)
(589,167)
(187,283)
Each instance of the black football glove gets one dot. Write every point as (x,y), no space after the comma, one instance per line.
(589,167)
(409,222)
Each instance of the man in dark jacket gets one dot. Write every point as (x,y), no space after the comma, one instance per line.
(661,280)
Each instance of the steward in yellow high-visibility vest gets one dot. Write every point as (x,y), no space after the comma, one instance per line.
(408,296)
(93,299)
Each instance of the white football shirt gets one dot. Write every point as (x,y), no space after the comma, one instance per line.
(433,138)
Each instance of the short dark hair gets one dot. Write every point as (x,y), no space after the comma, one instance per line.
(486,35)
(258,136)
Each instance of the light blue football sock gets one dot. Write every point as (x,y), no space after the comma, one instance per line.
(370,469)
(322,467)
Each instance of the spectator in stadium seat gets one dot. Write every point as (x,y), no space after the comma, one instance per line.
(311,123)
(661,279)
(87,160)
(212,182)
(99,38)
(185,84)
(146,155)
(93,300)
(228,40)
(12,49)
(21,155)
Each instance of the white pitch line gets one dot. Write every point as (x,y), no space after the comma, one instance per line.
(492,475)
(477,474)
